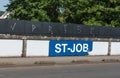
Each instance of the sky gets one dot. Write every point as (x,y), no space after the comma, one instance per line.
(2,4)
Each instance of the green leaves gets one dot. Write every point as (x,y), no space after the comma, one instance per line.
(88,12)
(28,10)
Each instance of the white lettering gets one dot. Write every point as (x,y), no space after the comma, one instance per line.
(33,27)
(13,26)
(85,47)
(58,48)
(73,50)
(79,47)
(64,47)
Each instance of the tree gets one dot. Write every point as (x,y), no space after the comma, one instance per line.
(28,10)
(36,10)
(98,13)
(88,12)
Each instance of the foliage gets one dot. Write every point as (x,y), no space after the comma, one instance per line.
(88,12)
(28,10)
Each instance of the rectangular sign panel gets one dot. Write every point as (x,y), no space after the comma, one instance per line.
(69,47)
(10,47)
(37,47)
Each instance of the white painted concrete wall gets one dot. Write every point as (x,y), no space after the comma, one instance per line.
(41,48)
(37,48)
(99,48)
(115,48)
(10,47)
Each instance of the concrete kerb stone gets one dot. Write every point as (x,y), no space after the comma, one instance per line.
(101,61)
(43,61)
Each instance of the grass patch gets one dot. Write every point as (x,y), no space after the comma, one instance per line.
(6,64)
(44,63)
(110,60)
(80,61)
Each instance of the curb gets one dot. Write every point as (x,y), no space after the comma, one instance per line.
(51,63)
(92,62)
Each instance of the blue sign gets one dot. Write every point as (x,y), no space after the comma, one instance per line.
(70,47)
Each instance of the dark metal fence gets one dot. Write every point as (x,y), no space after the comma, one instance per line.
(21,27)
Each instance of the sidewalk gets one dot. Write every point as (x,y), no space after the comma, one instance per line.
(17,61)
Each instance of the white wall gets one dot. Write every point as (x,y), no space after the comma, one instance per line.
(10,47)
(115,48)
(41,48)
(99,48)
(37,48)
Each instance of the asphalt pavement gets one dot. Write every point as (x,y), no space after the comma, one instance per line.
(63,71)
(18,61)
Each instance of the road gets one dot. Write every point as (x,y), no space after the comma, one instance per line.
(63,71)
